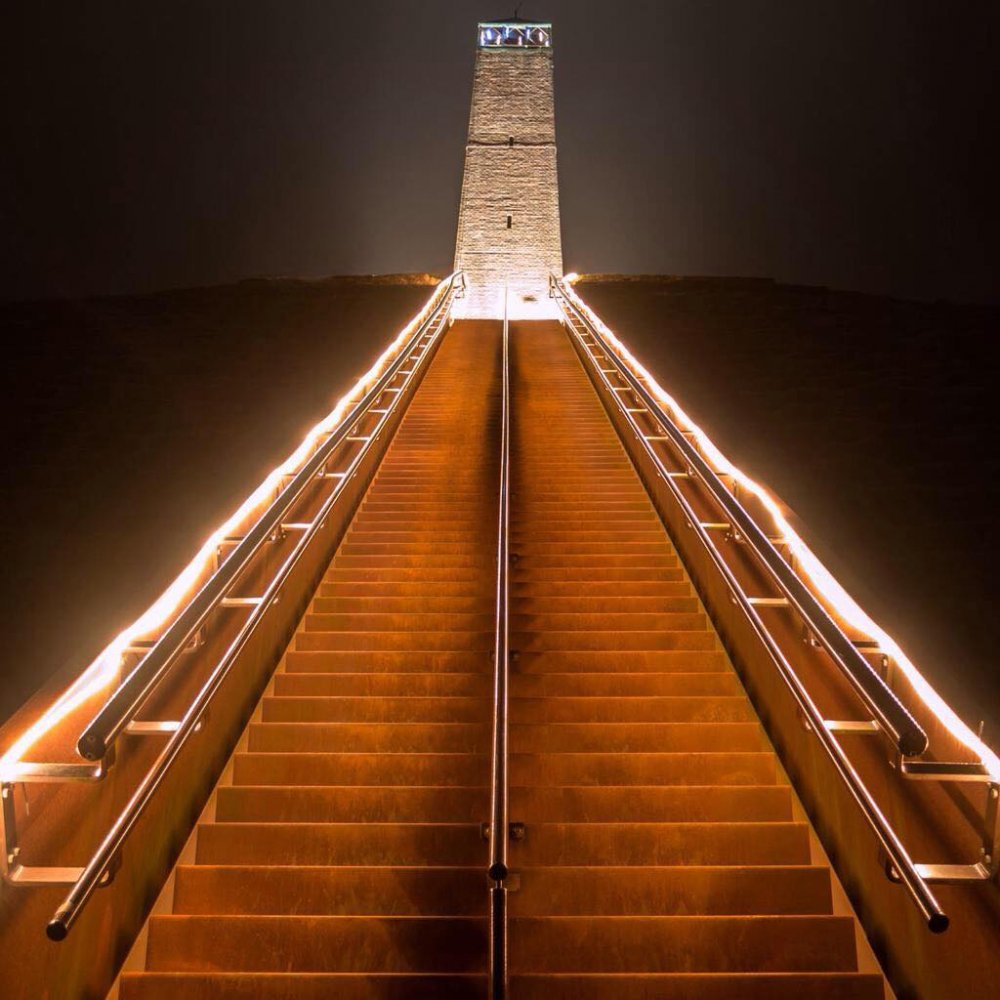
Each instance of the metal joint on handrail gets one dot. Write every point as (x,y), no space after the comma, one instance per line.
(499,818)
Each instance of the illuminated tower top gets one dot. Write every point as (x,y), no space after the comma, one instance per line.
(508,226)
(515,34)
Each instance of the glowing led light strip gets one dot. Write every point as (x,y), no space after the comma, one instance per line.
(104,669)
(818,575)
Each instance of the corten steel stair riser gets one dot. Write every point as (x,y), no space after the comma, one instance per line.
(662,856)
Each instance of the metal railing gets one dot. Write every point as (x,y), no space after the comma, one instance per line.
(889,716)
(118,713)
(499,816)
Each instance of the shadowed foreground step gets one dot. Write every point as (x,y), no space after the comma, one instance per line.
(664,854)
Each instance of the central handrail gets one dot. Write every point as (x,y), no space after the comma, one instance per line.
(122,704)
(499,820)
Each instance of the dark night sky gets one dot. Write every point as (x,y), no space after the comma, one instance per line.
(172,143)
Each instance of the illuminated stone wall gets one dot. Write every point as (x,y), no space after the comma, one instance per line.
(512,99)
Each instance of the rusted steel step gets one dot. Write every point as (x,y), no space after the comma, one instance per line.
(760,943)
(420,621)
(364,843)
(387,603)
(654,843)
(369,737)
(405,684)
(411,640)
(466,769)
(653,803)
(413,708)
(325,890)
(746,985)
(624,643)
(674,890)
(301,986)
(640,708)
(638,737)
(707,657)
(609,621)
(575,768)
(351,804)
(624,684)
(381,660)
(317,944)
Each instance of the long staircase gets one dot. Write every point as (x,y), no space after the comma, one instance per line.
(663,855)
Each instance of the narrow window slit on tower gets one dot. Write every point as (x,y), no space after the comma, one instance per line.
(510,141)
(510,221)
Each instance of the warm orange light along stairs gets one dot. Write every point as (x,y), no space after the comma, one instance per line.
(663,856)
(346,857)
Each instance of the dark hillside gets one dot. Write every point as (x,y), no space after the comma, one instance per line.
(875,420)
(132,426)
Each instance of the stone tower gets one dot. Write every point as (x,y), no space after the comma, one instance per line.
(508,222)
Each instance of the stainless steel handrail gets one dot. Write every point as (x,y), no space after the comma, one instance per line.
(893,717)
(896,854)
(499,817)
(131,693)
(106,855)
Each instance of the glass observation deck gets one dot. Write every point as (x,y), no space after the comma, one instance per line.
(515,35)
